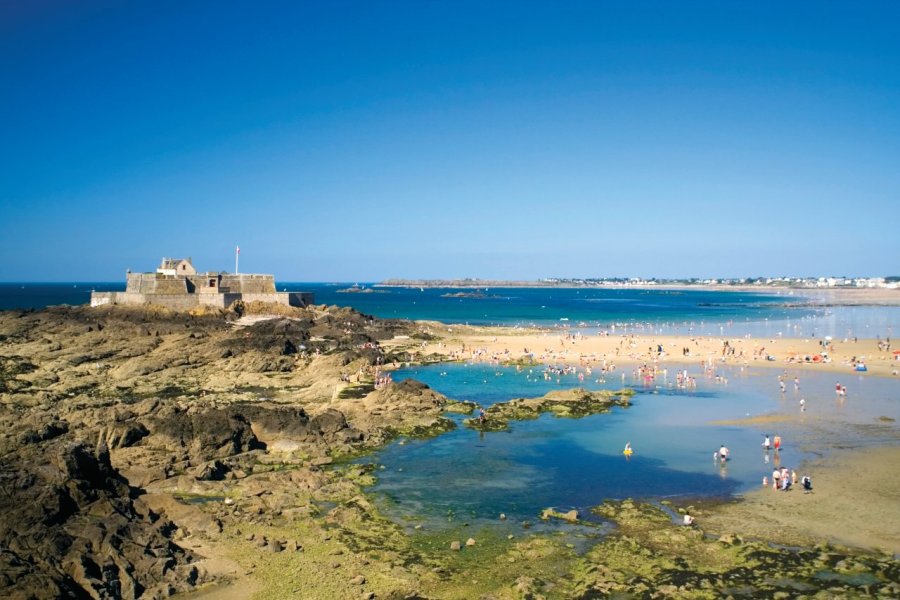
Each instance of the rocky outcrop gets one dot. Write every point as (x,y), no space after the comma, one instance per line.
(184,402)
(73,528)
(574,403)
(205,433)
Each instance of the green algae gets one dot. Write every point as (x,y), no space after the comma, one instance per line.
(571,404)
(647,555)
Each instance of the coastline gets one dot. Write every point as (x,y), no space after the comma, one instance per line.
(824,296)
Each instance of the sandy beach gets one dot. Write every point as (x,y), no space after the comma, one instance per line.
(505,344)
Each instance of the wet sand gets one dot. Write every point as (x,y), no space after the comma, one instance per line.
(855,502)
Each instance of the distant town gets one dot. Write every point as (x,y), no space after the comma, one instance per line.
(892,282)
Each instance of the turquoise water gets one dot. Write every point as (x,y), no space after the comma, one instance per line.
(470,476)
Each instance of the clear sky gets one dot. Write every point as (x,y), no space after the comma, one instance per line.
(345,141)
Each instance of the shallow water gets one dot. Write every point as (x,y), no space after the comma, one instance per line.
(466,475)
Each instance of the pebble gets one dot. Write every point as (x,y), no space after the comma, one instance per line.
(455,545)
(470,542)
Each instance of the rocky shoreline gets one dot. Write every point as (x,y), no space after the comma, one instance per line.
(142,448)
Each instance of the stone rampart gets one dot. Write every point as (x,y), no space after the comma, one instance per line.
(285,298)
(248,283)
(155,283)
(189,301)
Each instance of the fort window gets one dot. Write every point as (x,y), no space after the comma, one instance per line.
(212,283)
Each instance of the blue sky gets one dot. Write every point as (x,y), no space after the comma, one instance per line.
(345,141)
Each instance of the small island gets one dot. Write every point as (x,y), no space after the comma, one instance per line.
(477,294)
(360,289)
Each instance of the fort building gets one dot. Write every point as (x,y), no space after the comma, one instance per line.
(176,284)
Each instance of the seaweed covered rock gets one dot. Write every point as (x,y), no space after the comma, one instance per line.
(574,403)
(649,553)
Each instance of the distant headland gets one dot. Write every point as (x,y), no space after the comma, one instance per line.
(743,282)
(818,291)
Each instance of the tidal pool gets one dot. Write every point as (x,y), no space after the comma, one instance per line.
(467,476)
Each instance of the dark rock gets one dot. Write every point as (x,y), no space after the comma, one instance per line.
(329,422)
(209,433)
(70,528)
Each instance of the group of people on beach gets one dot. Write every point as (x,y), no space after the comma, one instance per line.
(782,479)
(382,381)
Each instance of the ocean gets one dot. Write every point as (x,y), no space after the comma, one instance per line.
(620,310)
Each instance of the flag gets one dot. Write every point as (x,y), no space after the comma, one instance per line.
(238,250)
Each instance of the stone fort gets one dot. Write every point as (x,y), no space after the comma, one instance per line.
(176,284)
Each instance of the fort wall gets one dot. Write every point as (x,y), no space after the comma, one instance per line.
(248,284)
(185,301)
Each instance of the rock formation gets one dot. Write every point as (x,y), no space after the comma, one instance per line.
(99,406)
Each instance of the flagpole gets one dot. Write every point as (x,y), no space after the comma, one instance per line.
(237,253)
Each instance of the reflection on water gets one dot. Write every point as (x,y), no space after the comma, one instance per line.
(465,475)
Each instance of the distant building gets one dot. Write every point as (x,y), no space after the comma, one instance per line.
(176,284)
